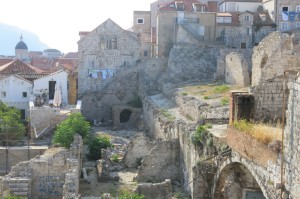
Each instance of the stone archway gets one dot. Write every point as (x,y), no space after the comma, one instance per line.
(125,116)
(235,181)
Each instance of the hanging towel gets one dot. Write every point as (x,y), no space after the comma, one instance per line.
(285,16)
(292,16)
(94,74)
(104,73)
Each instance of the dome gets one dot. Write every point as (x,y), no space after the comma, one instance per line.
(21,45)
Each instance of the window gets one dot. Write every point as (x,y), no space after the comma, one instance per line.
(24,94)
(113,42)
(285,8)
(247,18)
(243,45)
(140,21)
(248,31)
(145,53)
(298,8)
(284,26)
(298,24)
(3,94)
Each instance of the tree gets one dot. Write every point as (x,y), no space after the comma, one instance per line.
(95,146)
(64,134)
(11,126)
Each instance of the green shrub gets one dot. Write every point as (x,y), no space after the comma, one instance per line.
(199,136)
(184,93)
(115,158)
(209,142)
(66,130)
(131,196)
(11,126)
(96,144)
(136,102)
(167,115)
(208,125)
(206,97)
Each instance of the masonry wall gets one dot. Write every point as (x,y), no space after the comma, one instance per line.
(105,52)
(291,141)
(54,175)
(237,70)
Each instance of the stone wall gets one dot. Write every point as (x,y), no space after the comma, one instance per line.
(291,141)
(161,163)
(138,147)
(105,52)
(52,175)
(122,113)
(157,190)
(237,70)
(18,154)
(275,54)
(189,63)
(121,89)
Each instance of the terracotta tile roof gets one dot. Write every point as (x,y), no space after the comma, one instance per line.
(5,61)
(71,55)
(19,67)
(235,21)
(188,5)
(84,32)
(42,63)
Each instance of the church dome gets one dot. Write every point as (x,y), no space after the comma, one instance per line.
(21,45)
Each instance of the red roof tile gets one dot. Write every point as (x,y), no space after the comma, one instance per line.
(5,61)
(71,55)
(19,67)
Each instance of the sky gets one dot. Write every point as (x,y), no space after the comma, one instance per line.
(58,22)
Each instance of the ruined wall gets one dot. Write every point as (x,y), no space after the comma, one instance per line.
(122,113)
(189,63)
(119,91)
(237,70)
(291,141)
(138,147)
(274,54)
(161,163)
(53,175)
(18,154)
(157,190)
(221,61)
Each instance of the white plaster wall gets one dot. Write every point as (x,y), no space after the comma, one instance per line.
(61,77)
(241,6)
(14,88)
(269,5)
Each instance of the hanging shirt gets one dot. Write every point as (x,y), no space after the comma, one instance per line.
(285,16)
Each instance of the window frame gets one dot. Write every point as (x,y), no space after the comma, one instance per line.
(3,94)
(24,95)
(137,20)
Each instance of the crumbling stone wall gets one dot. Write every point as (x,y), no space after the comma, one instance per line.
(189,63)
(161,163)
(134,117)
(52,175)
(138,147)
(291,141)
(121,90)
(237,70)
(274,54)
(161,190)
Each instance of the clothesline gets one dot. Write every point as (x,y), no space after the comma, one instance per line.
(290,16)
(102,74)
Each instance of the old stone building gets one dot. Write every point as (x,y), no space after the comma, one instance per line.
(243,30)
(184,21)
(287,15)
(142,27)
(106,69)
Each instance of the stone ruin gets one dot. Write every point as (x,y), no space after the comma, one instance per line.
(52,175)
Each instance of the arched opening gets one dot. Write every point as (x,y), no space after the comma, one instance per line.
(125,116)
(236,182)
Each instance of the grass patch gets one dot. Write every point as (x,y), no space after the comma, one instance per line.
(184,93)
(224,101)
(167,115)
(263,133)
(220,89)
